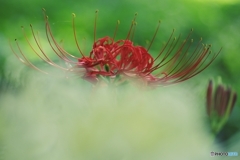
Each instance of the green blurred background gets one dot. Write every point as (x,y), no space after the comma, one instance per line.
(216,21)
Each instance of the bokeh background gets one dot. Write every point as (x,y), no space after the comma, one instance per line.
(216,21)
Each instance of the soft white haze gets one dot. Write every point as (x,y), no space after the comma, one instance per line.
(60,119)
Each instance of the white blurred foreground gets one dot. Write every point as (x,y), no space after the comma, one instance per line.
(56,119)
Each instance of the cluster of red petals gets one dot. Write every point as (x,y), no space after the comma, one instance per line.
(109,58)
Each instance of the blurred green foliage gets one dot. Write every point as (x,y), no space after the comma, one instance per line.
(217,22)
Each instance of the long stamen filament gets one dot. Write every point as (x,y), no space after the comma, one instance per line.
(115,32)
(154,36)
(75,35)
(95,25)
(131,27)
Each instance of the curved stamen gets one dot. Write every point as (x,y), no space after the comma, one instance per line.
(131,27)
(74,32)
(155,33)
(116,29)
(134,28)
(26,62)
(49,61)
(95,26)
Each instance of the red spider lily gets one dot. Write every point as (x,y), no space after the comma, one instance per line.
(120,60)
